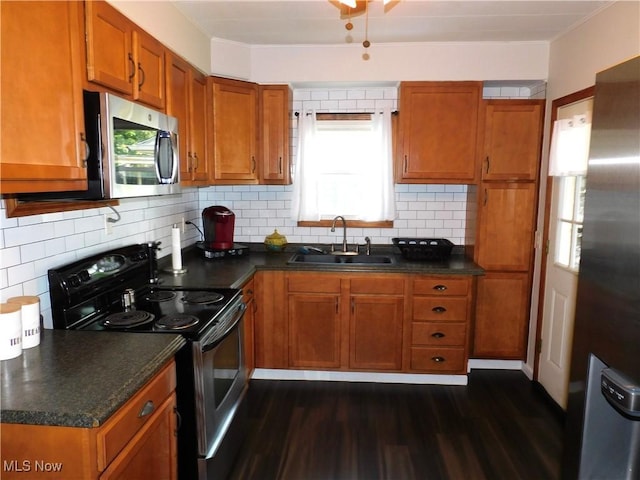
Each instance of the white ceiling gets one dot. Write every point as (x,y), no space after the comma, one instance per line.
(308,22)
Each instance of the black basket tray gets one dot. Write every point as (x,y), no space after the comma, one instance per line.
(424,249)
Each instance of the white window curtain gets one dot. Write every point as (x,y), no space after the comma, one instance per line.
(344,168)
(569,153)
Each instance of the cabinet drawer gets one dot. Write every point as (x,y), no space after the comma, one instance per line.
(313,283)
(444,359)
(377,285)
(124,424)
(440,309)
(441,286)
(434,333)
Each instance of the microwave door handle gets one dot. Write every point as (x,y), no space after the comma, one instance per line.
(163,138)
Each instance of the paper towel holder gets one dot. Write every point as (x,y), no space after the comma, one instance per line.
(178,269)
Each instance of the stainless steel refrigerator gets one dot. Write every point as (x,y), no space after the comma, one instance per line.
(603,414)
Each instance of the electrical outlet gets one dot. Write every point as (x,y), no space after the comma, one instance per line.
(108,226)
(183,226)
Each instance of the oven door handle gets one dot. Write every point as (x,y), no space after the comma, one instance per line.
(207,344)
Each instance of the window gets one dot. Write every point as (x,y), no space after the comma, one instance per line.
(344,167)
(570,220)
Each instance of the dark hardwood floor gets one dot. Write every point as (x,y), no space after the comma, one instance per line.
(497,427)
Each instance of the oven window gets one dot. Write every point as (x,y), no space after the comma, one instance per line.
(226,363)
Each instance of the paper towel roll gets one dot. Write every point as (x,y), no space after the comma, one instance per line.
(10,331)
(30,311)
(176,248)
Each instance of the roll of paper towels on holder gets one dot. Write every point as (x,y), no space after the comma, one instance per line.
(176,248)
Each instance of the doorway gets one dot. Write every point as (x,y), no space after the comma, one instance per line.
(560,263)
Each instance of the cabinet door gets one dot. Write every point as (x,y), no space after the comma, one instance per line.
(438,131)
(502,316)
(152,453)
(198,125)
(178,106)
(235,116)
(513,136)
(314,331)
(249,326)
(271,339)
(505,232)
(149,80)
(41,120)
(274,134)
(375,332)
(110,59)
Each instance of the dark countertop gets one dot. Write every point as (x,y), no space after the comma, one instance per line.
(233,272)
(80,378)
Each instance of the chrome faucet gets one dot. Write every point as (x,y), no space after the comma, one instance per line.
(344,233)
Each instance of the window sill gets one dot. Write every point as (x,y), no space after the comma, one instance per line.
(350,224)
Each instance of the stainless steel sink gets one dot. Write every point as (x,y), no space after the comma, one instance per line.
(342,259)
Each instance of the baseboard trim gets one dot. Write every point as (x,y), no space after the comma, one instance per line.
(495,364)
(333,376)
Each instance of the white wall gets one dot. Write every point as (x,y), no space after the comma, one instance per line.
(412,61)
(163,20)
(606,39)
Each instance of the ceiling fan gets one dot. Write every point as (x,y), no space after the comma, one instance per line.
(352,8)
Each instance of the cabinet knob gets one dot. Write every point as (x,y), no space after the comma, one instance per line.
(440,288)
(438,309)
(438,359)
(438,335)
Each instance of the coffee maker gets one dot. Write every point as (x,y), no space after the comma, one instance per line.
(218,223)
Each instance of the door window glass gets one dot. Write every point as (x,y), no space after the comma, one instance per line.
(570,218)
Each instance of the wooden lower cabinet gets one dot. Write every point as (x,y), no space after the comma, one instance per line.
(249,326)
(502,316)
(442,308)
(138,441)
(354,322)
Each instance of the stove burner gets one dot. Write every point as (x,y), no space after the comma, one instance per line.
(160,296)
(202,298)
(130,318)
(177,321)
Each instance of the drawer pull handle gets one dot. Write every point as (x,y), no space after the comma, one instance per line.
(438,359)
(147,409)
(438,309)
(440,288)
(438,335)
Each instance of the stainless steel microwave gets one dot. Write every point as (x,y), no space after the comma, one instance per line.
(132,151)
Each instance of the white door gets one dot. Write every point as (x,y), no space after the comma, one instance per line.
(560,294)
(561,281)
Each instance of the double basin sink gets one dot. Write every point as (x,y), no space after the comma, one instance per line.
(318,259)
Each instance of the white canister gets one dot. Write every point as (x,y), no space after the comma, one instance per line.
(10,331)
(30,308)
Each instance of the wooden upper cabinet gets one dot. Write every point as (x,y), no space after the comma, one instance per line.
(274,134)
(122,57)
(438,132)
(512,140)
(198,127)
(149,55)
(186,100)
(235,120)
(41,118)
(506,226)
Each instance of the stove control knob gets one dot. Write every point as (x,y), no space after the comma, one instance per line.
(84,276)
(74,280)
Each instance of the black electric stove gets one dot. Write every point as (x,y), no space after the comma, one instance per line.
(118,290)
